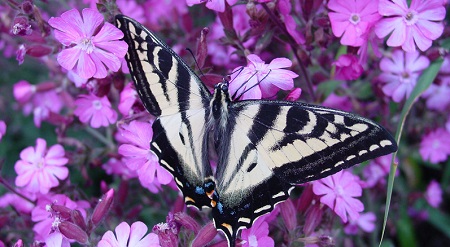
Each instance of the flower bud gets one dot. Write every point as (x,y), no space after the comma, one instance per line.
(78,219)
(202,48)
(23,91)
(102,207)
(72,231)
(205,235)
(287,210)
(187,221)
(38,50)
(313,219)
(62,211)
(19,243)
(27,7)
(167,238)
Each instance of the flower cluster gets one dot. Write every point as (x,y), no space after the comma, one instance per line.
(73,129)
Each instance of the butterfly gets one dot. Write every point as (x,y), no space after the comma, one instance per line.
(263,147)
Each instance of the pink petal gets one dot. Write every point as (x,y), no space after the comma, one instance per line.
(398,35)
(217,5)
(24,178)
(388,8)
(429,29)
(385,26)
(123,233)
(138,230)
(108,33)
(86,68)
(280,62)
(68,58)
(92,20)
(60,172)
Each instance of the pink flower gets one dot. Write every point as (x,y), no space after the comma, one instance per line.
(96,110)
(93,44)
(217,5)
(19,203)
(437,95)
(338,192)
(132,9)
(257,235)
(365,221)
(284,6)
(39,168)
(338,102)
(138,156)
(128,97)
(420,23)
(294,95)
(348,67)
(43,216)
(352,19)
(164,13)
(127,236)
(400,72)
(377,170)
(118,167)
(435,146)
(43,104)
(2,129)
(260,80)
(433,195)
(23,91)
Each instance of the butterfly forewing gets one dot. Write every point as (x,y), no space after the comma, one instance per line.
(170,90)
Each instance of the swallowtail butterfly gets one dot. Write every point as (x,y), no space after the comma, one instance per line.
(264,147)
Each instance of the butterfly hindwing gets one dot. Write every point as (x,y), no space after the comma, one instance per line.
(171,91)
(274,145)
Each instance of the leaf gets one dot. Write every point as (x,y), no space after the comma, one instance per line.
(422,84)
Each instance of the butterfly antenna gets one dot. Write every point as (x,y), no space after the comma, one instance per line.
(195,60)
(256,84)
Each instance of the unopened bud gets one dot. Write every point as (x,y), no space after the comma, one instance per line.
(313,219)
(102,208)
(38,50)
(19,243)
(27,7)
(187,221)
(62,211)
(205,235)
(287,210)
(72,231)
(23,91)
(78,219)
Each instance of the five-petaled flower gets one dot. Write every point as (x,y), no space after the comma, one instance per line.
(353,19)
(127,236)
(401,72)
(419,23)
(338,191)
(435,146)
(260,80)
(39,168)
(92,44)
(97,110)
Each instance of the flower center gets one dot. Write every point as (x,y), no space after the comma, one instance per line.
(87,45)
(40,163)
(339,191)
(97,104)
(411,17)
(355,19)
(436,144)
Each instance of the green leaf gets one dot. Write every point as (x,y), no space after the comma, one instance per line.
(327,87)
(422,84)
(439,220)
(405,230)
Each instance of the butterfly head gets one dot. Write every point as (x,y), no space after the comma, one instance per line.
(220,100)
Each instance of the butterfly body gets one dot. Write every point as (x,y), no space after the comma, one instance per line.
(263,148)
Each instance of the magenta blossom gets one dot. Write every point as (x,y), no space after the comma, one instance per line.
(285,7)
(95,110)
(419,24)
(2,129)
(128,97)
(401,72)
(217,5)
(39,168)
(132,9)
(138,156)
(437,95)
(435,146)
(92,44)
(338,191)
(352,19)
(348,67)
(366,222)
(260,80)
(43,216)
(127,236)
(257,235)
(433,195)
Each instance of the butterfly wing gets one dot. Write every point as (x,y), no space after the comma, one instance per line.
(274,145)
(170,90)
